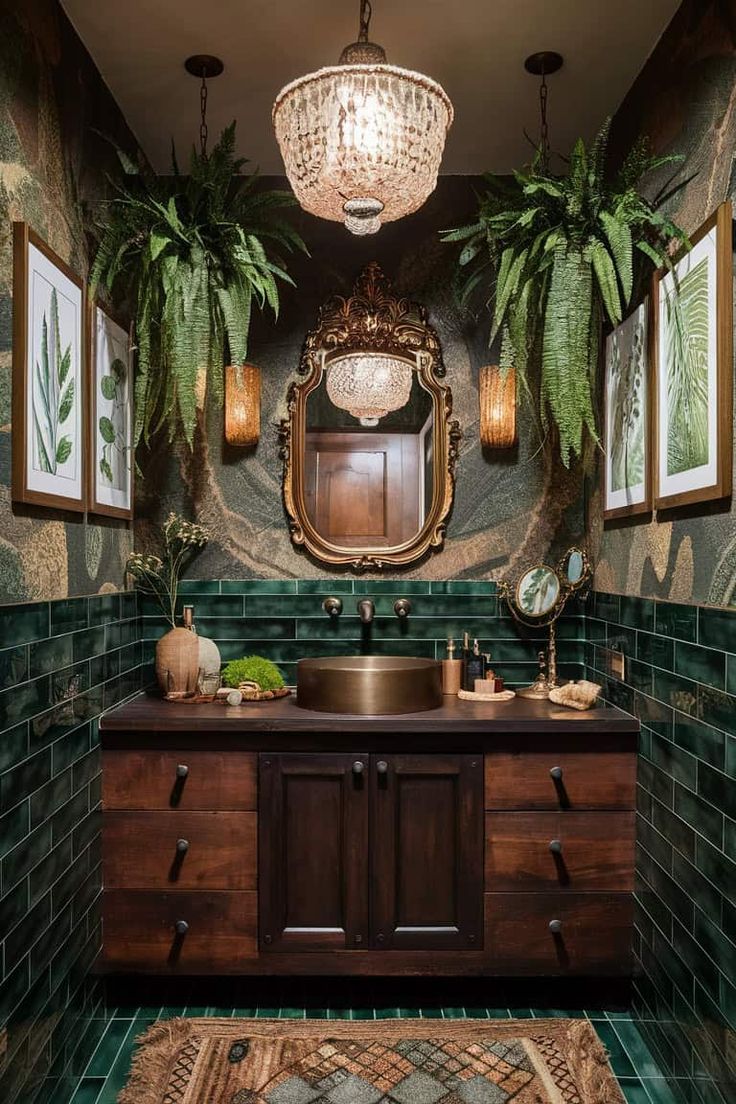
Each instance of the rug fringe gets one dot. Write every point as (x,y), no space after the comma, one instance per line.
(152,1060)
(592,1061)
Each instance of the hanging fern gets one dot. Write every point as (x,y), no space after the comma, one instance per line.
(555,257)
(193,253)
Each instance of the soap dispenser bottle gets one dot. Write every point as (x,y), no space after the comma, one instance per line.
(452,670)
(473,667)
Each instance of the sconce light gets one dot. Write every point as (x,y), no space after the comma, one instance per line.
(242,405)
(497,394)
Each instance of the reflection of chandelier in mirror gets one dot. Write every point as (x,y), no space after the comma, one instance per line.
(369,385)
(362,141)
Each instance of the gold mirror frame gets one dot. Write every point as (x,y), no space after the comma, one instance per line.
(585,569)
(539,618)
(373,319)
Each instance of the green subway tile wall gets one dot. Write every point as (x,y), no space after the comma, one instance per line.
(61,664)
(680,680)
(285,621)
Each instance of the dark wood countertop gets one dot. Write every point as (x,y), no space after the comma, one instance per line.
(149,714)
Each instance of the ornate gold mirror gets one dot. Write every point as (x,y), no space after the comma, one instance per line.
(369,447)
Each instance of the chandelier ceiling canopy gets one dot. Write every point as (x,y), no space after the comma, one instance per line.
(362,141)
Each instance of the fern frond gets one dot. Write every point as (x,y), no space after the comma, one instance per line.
(192,253)
(563,251)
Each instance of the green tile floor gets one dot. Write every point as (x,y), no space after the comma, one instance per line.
(107,1070)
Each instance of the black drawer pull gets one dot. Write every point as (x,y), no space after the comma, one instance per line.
(556,773)
(182,846)
(182,770)
(555,926)
(555,847)
(181,927)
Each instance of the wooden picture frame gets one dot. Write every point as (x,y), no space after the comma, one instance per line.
(110,390)
(704,277)
(49,441)
(636,334)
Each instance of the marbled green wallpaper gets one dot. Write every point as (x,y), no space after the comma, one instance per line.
(52,170)
(685,100)
(509,509)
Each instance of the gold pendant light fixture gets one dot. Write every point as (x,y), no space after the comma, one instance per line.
(362,141)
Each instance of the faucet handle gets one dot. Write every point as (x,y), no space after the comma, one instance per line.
(402,608)
(332,606)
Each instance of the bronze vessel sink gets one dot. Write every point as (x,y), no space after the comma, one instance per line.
(369,685)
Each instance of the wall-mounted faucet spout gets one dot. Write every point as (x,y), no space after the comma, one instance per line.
(367,610)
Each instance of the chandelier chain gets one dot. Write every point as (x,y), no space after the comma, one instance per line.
(544,128)
(366,11)
(203,114)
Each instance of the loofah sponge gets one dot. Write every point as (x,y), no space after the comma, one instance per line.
(576,695)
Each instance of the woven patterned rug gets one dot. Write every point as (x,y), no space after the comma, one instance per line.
(210,1061)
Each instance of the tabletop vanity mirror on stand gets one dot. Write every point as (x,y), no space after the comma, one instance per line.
(537,600)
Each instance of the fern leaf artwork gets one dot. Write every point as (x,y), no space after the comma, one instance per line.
(626,373)
(686,350)
(554,258)
(194,254)
(53,395)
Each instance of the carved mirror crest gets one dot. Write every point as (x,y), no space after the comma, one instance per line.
(369,446)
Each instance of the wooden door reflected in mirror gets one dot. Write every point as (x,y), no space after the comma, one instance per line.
(369,448)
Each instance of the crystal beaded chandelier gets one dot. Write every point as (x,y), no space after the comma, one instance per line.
(362,141)
(369,385)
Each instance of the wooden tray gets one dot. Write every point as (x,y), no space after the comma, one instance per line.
(248,696)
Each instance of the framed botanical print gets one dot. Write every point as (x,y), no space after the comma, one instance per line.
(111,415)
(49,462)
(694,369)
(627,423)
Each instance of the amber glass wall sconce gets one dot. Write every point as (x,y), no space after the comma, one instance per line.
(242,405)
(497,395)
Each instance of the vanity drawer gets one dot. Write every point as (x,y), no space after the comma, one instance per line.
(145,850)
(586,780)
(565,851)
(179,780)
(594,938)
(139,930)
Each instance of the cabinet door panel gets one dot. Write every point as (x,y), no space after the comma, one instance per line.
(427,851)
(313,847)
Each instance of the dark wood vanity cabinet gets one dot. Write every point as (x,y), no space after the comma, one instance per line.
(268,842)
(370,851)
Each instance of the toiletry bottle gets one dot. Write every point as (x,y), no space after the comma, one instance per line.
(474,667)
(464,657)
(452,670)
